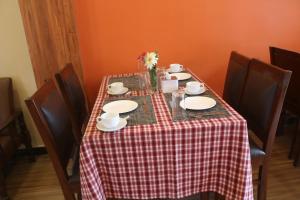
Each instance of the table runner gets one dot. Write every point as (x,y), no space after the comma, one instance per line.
(144,113)
(183,82)
(132,82)
(218,111)
(166,159)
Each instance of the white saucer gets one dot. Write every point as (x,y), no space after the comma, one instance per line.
(200,91)
(170,71)
(123,91)
(182,76)
(197,103)
(122,124)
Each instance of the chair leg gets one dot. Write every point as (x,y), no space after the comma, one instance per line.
(262,183)
(294,139)
(68,194)
(79,197)
(297,155)
(3,194)
(297,159)
(66,189)
(281,123)
(26,138)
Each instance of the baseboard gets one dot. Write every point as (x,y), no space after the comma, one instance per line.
(35,151)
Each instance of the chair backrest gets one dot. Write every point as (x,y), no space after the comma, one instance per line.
(262,99)
(291,61)
(73,94)
(235,79)
(51,117)
(6,99)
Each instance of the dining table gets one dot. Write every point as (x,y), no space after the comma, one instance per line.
(159,155)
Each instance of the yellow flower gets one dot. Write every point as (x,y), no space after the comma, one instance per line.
(150,59)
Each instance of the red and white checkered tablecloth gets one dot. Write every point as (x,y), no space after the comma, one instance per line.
(167,159)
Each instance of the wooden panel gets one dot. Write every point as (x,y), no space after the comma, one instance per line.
(51,36)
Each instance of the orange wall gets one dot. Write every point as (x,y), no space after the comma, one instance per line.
(197,33)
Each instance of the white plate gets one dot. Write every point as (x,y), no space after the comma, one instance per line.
(170,71)
(197,103)
(120,106)
(122,124)
(182,76)
(200,91)
(123,91)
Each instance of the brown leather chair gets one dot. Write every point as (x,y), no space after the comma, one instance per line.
(235,79)
(52,119)
(75,98)
(290,61)
(261,105)
(13,131)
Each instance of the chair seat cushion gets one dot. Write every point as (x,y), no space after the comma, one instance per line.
(255,150)
(257,153)
(74,179)
(84,125)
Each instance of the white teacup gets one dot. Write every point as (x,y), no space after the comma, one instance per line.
(194,86)
(109,120)
(116,87)
(176,67)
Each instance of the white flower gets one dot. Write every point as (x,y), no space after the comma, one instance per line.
(150,59)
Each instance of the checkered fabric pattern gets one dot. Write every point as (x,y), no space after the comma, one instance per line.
(167,159)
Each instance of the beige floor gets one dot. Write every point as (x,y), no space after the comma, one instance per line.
(32,181)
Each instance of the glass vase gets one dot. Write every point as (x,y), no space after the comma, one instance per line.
(153,78)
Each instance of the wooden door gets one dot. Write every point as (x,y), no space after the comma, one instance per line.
(51,36)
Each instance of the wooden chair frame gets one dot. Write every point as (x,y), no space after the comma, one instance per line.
(15,129)
(290,60)
(79,126)
(266,136)
(34,106)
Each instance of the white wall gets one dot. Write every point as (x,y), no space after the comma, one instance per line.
(15,60)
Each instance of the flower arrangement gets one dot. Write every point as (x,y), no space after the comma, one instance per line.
(149,60)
